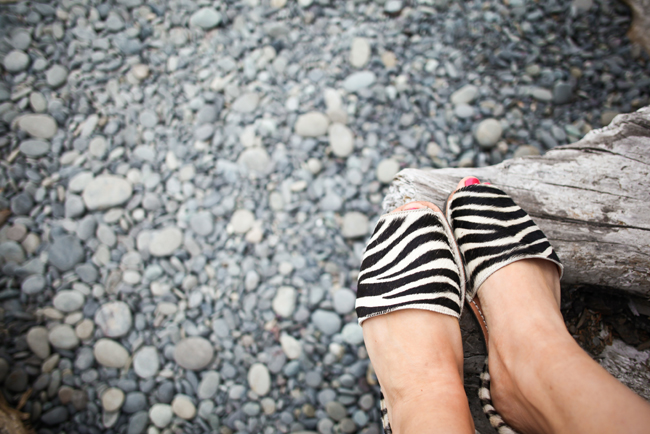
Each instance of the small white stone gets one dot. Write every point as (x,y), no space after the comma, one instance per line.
(488,133)
(359,52)
(242,220)
(314,166)
(464,95)
(161,415)
(291,346)
(386,170)
(355,225)
(112,399)
(341,140)
(183,407)
(165,241)
(284,302)
(259,379)
(312,124)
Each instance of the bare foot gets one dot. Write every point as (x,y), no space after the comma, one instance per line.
(418,358)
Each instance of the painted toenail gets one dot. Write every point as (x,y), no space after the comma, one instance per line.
(472,181)
(486,183)
(413,207)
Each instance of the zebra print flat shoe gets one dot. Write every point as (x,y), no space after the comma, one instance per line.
(410,262)
(492,231)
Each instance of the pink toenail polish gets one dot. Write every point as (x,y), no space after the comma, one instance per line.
(486,183)
(415,207)
(472,181)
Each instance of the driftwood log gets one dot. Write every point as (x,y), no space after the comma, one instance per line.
(591,199)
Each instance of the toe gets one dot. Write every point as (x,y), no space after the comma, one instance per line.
(468,180)
(416,205)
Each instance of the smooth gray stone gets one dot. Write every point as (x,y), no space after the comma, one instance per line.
(34,148)
(326,321)
(33,285)
(138,423)
(66,252)
(22,204)
(16,61)
(205,18)
(55,416)
(134,402)
(56,76)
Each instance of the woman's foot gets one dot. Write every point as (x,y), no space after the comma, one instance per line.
(541,381)
(418,358)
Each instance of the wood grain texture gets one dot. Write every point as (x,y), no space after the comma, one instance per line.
(591,199)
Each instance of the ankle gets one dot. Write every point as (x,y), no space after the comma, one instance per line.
(432,407)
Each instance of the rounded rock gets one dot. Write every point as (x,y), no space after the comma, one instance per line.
(246,103)
(112,399)
(110,354)
(165,241)
(146,362)
(352,334)
(386,170)
(205,18)
(33,285)
(56,76)
(488,133)
(16,61)
(255,160)
(106,191)
(335,410)
(359,52)
(63,337)
(183,407)
(39,126)
(284,302)
(161,415)
(326,321)
(359,80)
(16,381)
(202,223)
(37,340)
(68,301)
(193,353)
(55,416)
(34,148)
(242,221)
(311,124)
(208,385)
(114,319)
(291,346)
(464,95)
(341,140)
(355,225)
(344,300)
(66,252)
(259,379)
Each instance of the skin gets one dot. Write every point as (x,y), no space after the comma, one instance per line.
(541,380)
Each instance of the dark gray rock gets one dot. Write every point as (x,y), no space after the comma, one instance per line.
(66,252)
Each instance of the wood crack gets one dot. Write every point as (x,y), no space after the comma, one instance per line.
(586,222)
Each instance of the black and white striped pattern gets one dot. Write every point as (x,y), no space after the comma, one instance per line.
(492,231)
(411,262)
(485,397)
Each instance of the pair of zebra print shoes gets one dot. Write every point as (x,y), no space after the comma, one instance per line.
(421,259)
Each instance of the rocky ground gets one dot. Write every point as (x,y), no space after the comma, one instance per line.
(186,187)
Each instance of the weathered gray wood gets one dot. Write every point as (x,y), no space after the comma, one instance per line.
(591,198)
